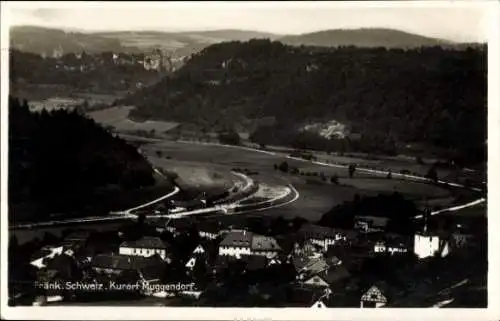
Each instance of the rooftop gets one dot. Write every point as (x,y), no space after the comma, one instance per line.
(240,238)
(311,264)
(125,262)
(317,231)
(147,242)
(264,243)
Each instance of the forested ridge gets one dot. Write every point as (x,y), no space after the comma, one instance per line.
(428,95)
(60,161)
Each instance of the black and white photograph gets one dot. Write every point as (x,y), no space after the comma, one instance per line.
(250,157)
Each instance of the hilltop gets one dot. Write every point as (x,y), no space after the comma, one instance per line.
(364,37)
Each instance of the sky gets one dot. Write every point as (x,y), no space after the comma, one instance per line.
(462,23)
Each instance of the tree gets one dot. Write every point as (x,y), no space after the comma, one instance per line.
(229,137)
(432,174)
(283,167)
(159,153)
(389,175)
(275,167)
(351,169)
(141,218)
(334,179)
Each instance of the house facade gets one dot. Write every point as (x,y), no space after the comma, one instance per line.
(145,247)
(321,236)
(236,243)
(428,245)
(390,247)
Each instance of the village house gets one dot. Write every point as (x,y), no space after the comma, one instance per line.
(208,231)
(326,278)
(200,254)
(118,264)
(145,247)
(40,258)
(428,244)
(242,242)
(307,266)
(236,243)
(392,245)
(373,298)
(320,235)
(177,226)
(265,246)
(370,223)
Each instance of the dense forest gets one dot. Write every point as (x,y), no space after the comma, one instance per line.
(61,161)
(392,97)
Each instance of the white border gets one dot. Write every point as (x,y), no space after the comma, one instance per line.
(154,313)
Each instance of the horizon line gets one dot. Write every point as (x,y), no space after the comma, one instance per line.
(160,30)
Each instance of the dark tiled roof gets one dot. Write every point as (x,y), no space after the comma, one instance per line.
(317,231)
(147,242)
(310,265)
(375,294)
(124,262)
(264,243)
(237,238)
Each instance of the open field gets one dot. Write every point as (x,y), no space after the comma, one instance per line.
(117,117)
(197,175)
(316,196)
